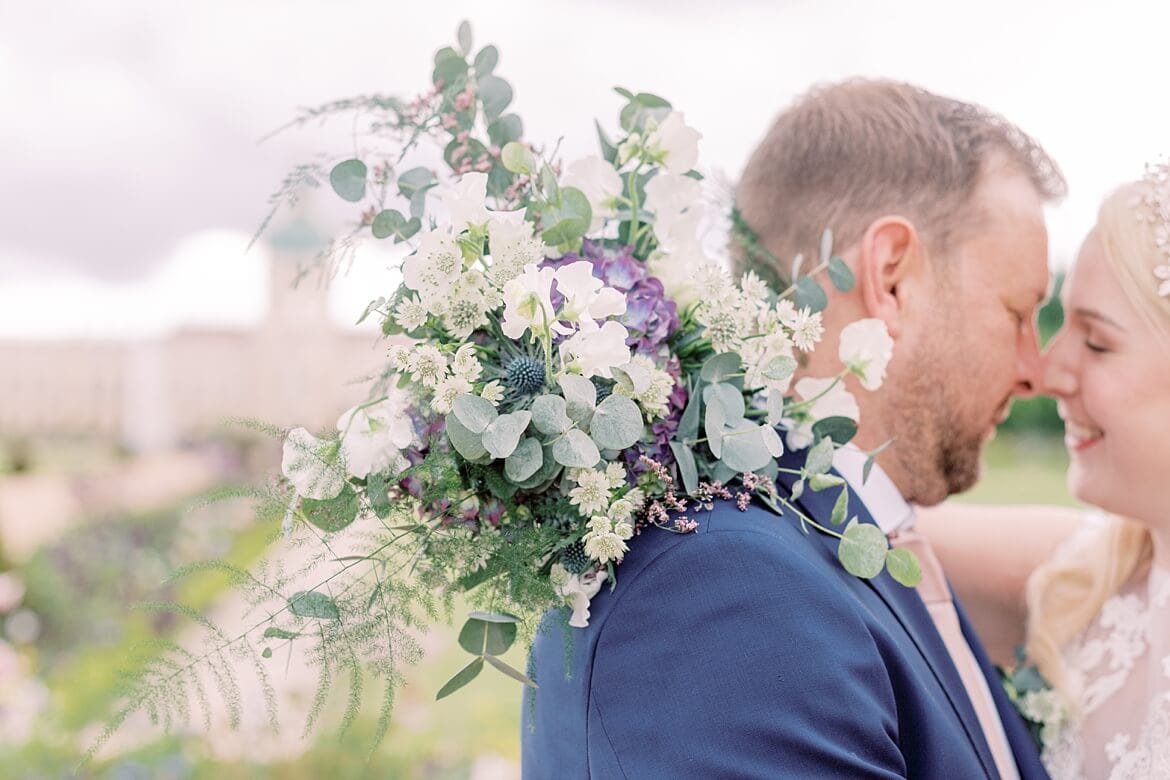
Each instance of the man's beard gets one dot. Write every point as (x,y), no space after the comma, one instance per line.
(938,451)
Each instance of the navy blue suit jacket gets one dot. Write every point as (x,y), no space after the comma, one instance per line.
(745,650)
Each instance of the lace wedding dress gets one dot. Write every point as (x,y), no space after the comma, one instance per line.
(1120,668)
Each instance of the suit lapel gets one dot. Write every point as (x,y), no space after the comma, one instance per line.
(907,607)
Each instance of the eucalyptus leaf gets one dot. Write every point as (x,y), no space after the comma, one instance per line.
(486,60)
(416,179)
(549,415)
(772,441)
(481,636)
(819,482)
(718,368)
(272,632)
(496,94)
(797,489)
(616,423)
(839,429)
(608,150)
(502,434)
(333,514)
(506,129)
(576,450)
(580,396)
(386,223)
(729,398)
(547,471)
(688,425)
(713,422)
(744,449)
(348,179)
(568,219)
(810,295)
(775,406)
(871,458)
(820,457)
(370,308)
(779,368)
(465,442)
(722,472)
(518,158)
(474,412)
(797,265)
(313,604)
(524,461)
(686,466)
(903,567)
(266,652)
(863,549)
(515,674)
(840,274)
(826,245)
(840,507)
(463,35)
(466,675)
(451,70)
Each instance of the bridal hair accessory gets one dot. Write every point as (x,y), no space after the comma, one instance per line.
(1155,207)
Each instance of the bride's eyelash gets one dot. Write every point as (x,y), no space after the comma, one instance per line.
(1095,347)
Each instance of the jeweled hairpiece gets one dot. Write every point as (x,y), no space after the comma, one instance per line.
(1155,208)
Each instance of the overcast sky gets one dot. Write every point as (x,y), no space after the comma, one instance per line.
(129,130)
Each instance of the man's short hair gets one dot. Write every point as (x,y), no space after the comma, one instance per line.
(845,154)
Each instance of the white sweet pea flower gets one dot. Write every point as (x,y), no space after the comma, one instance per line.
(577,590)
(601,184)
(678,271)
(527,302)
(866,348)
(373,436)
(512,246)
(837,402)
(465,201)
(668,194)
(586,296)
(597,350)
(675,144)
(312,465)
(679,231)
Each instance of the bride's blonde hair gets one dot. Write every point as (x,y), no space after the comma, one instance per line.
(1065,594)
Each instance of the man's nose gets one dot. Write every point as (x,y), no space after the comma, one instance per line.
(1029,367)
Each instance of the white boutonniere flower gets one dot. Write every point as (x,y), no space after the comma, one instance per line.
(865,349)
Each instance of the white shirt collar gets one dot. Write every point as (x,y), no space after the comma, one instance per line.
(880,495)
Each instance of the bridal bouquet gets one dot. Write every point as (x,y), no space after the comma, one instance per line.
(566,368)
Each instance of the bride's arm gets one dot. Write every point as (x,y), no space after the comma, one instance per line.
(988,552)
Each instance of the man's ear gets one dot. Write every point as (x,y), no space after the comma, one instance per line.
(889,254)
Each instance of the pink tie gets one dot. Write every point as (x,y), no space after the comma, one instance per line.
(936,594)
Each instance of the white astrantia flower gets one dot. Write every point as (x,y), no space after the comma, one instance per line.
(586,297)
(512,244)
(493,391)
(668,194)
(592,492)
(312,465)
(465,201)
(527,302)
(600,183)
(603,542)
(577,590)
(655,399)
(807,329)
(466,364)
(836,402)
(754,289)
(399,355)
(595,351)
(433,269)
(758,355)
(447,391)
(635,496)
(866,348)
(410,313)
(427,365)
(374,435)
(467,308)
(674,144)
(621,511)
(616,474)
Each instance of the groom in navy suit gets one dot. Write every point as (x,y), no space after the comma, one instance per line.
(744,650)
